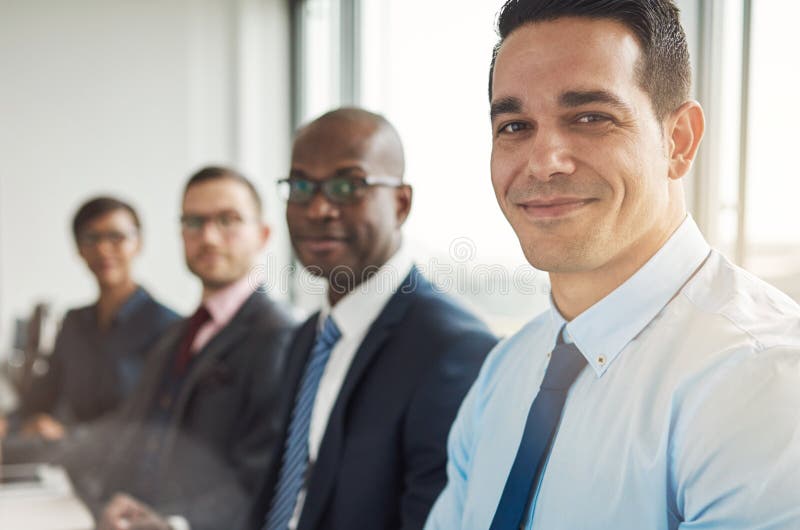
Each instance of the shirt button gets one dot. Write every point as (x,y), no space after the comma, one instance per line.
(601,360)
(549,354)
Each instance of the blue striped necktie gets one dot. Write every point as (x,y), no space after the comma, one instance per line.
(566,363)
(295,453)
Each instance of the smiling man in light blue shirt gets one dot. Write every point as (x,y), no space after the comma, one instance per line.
(683,407)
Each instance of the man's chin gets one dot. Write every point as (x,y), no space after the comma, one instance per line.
(565,260)
(553,258)
(322,268)
(215,284)
(110,280)
(214,279)
(342,275)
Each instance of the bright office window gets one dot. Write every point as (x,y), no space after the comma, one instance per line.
(720,81)
(318,66)
(749,183)
(772,218)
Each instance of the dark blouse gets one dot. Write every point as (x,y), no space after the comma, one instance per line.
(93,371)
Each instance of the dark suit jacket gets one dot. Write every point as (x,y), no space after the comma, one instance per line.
(92,370)
(225,427)
(381,464)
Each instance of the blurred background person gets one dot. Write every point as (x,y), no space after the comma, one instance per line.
(100,350)
(192,444)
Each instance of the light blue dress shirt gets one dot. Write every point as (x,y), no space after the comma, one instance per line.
(686,417)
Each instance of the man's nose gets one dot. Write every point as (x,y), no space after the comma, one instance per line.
(105,246)
(549,155)
(210,231)
(320,207)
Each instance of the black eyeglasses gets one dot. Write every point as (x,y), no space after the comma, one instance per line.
(338,190)
(225,222)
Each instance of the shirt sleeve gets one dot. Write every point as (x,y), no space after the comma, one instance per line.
(178,522)
(736,447)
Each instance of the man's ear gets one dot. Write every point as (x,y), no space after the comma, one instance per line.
(403,196)
(264,233)
(684,129)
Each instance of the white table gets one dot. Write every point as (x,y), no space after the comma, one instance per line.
(40,497)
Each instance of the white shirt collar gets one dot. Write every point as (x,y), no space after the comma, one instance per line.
(605,329)
(356,311)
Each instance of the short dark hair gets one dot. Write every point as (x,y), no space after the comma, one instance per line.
(209,173)
(664,71)
(97,207)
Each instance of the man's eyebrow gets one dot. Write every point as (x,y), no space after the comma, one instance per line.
(579,98)
(509,105)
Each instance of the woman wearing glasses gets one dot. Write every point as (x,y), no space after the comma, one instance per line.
(100,349)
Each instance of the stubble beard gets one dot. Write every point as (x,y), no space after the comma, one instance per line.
(578,253)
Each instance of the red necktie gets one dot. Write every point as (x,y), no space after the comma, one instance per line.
(196,321)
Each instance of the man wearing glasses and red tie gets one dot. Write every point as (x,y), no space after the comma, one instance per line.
(380,371)
(190,447)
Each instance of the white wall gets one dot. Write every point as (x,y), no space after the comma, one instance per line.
(129,97)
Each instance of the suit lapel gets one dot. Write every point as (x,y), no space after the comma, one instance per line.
(299,351)
(210,359)
(137,408)
(298,356)
(326,467)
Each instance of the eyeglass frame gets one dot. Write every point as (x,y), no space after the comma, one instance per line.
(226,222)
(318,186)
(92,239)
